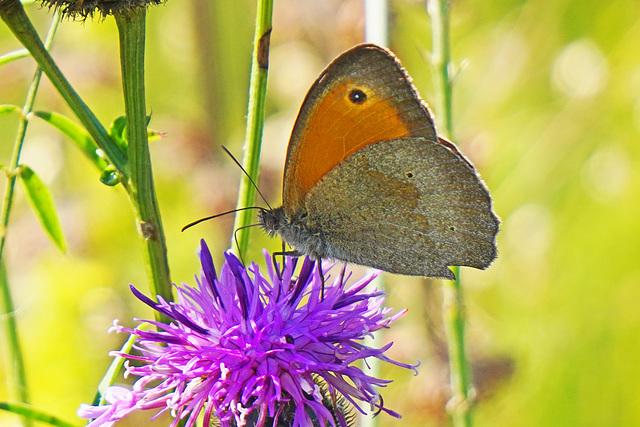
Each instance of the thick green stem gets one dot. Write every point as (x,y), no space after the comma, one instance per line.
(255,121)
(16,19)
(453,307)
(139,186)
(459,405)
(131,27)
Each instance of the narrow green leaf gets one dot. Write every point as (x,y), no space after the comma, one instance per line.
(34,414)
(78,135)
(12,56)
(8,108)
(118,133)
(43,205)
(153,135)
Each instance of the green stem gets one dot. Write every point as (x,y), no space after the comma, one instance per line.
(441,55)
(453,306)
(140,187)
(13,355)
(255,121)
(14,358)
(459,405)
(16,19)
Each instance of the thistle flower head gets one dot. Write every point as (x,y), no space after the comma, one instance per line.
(88,8)
(250,349)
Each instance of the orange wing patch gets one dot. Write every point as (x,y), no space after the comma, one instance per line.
(346,119)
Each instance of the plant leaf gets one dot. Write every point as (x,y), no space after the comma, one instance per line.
(8,108)
(117,130)
(34,414)
(42,203)
(78,135)
(12,56)
(154,135)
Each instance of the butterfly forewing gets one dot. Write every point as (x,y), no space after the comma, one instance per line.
(363,96)
(368,180)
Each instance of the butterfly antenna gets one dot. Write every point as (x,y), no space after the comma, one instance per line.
(207,218)
(246,174)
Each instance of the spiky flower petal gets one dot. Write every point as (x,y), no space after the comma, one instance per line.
(245,348)
(89,8)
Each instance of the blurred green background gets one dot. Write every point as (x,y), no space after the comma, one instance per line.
(546,106)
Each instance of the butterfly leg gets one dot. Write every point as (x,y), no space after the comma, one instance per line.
(282,253)
(342,273)
(321,273)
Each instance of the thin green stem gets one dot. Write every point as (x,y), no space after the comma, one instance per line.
(34,414)
(459,406)
(140,187)
(14,16)
(14,358)
(12,56)
(13,355)
(441,56)
(255,121)
(453,306)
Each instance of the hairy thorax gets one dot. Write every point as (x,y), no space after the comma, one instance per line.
(295,232)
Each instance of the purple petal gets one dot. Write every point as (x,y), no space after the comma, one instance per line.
(244,346)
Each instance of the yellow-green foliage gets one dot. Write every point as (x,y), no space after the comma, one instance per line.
(546,104)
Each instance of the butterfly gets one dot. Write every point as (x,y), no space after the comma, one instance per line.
(367,180)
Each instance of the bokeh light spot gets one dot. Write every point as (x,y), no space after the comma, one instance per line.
(580,70)
(605,175)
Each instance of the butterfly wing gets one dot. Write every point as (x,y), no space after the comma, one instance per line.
(362,97)
(411,206)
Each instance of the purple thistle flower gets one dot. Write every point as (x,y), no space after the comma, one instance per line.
(245,349)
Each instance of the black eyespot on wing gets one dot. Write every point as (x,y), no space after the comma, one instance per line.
(357,96)
(408,174)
